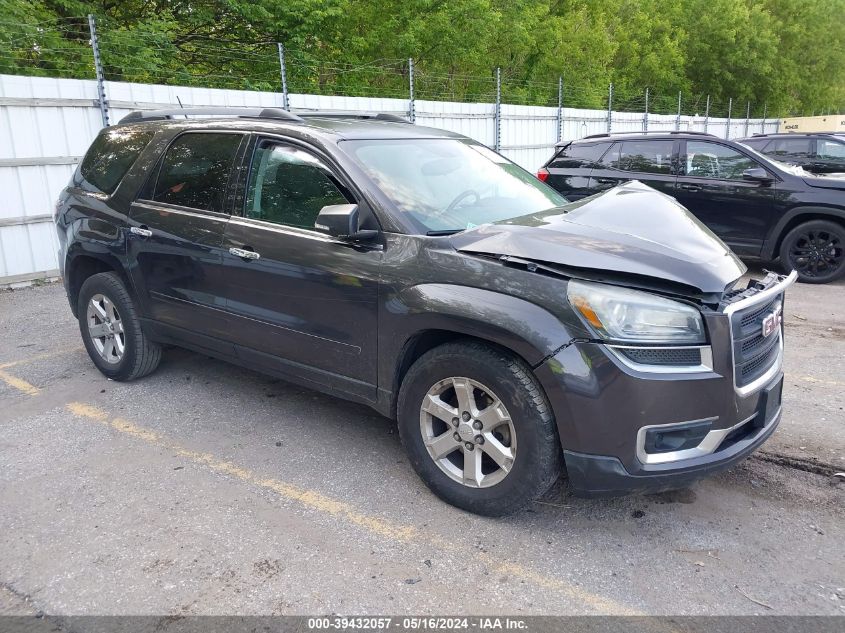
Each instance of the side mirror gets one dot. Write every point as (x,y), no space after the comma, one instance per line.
(757,174)
(341,220)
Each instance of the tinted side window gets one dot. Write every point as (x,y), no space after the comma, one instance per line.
(830,149)
(711,160)
(109,158)
(195,171)
(788,147)
(652,157)
(289,186)
(758,144)
(579,155)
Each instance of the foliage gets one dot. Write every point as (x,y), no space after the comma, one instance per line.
(787,54)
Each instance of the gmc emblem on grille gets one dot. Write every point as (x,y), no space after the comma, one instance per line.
(771,322)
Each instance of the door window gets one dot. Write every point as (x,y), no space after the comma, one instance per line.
(712,160)
(830,149)
(644,156)
(785,147)
(196,169)
(289,186)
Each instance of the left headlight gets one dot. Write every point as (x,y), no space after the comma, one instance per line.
(631,316)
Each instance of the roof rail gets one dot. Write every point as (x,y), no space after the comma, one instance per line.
(352,114)
(608,134)
(259,113)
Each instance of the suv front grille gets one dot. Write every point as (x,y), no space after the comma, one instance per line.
(753,353)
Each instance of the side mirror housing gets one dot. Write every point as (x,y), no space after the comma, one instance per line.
(757,174)
(341,221)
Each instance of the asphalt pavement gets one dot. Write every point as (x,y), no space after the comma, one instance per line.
(210,489)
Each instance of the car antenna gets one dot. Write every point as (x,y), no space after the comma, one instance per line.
(180,104)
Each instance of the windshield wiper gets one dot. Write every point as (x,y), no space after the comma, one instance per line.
(444,232)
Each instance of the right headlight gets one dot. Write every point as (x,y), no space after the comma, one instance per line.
(631,316)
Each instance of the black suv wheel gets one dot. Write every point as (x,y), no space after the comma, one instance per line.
(111,330)
(815,250)
(478,429)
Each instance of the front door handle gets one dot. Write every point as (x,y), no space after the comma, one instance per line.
(689,187)
(243,253)
(142,230)
(607,181)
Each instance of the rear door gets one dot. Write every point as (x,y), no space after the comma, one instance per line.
(651,161)
(569,170)
(303,302)
(712,187)
(176,233)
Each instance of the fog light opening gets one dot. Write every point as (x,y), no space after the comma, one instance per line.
(678,437)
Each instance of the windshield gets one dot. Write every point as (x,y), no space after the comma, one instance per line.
(789,168)
(449,185)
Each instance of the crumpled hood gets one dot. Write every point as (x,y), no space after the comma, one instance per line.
(630,229)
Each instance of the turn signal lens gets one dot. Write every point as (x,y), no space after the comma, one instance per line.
(542,174)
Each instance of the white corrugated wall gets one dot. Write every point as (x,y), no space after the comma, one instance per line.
(47,124)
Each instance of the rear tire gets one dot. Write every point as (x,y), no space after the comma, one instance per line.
(111,329)
(481,397)
(816,250)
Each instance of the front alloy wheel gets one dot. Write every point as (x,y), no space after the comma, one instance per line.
(478,428)
(468,432)
(816,251)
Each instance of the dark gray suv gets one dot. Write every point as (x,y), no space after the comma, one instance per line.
(509,332)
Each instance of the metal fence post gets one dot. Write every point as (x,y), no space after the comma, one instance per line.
(747,117)
(678,120)
(98,68)
(412,112)
(284,74)
(559,109)
(707,114)
(498,130)
(645,115)
(730,107)
(609,106)
(763,124)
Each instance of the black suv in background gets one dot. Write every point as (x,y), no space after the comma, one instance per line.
(419,272)
(761,208)
(818,153)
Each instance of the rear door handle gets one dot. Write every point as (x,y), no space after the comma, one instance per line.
(142,230)
(690,187)
(606,181)
(244,254)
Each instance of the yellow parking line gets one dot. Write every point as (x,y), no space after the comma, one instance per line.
(18,383)
(314,500)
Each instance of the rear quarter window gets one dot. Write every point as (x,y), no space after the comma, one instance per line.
(577,155)
(110,156)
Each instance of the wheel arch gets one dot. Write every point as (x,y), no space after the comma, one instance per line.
(795,217)
(440,313)
(81,265)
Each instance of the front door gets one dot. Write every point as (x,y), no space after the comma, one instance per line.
(712,187)
(176,233)
(304,302)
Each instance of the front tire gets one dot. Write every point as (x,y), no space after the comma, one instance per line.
(815,250)
(478,429)
(111,329)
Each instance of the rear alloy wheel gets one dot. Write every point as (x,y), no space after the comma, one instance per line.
(111,329)
(816,251)
(478,429)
